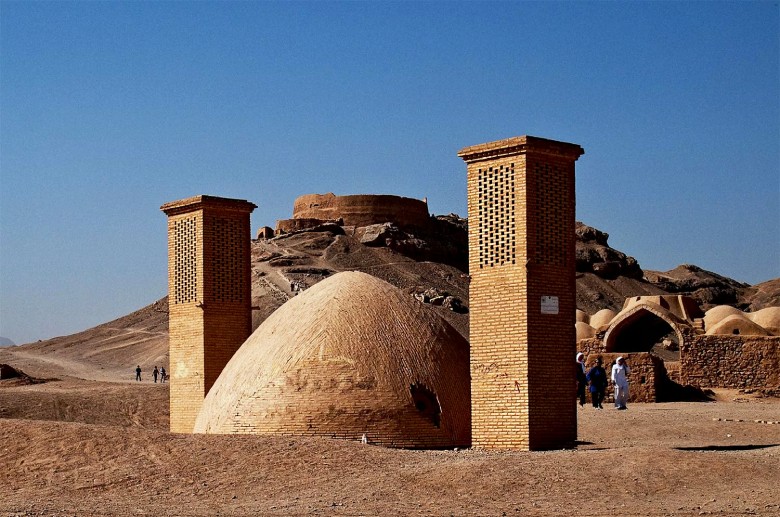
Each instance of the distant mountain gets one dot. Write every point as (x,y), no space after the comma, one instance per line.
(429,264)
(4,341)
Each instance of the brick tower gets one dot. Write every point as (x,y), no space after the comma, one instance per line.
(522,294)
(209,296)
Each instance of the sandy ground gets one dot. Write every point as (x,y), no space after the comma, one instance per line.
(93,448)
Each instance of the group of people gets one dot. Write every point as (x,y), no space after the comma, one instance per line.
(155,373)
(595,380)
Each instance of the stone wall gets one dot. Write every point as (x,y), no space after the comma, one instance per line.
(645,380)
(295,225)
(361,210)
(723,361)
(648,377)
(592,345)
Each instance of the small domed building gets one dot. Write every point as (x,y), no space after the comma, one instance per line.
(351,356)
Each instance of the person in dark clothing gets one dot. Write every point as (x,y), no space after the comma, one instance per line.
(155,373)
(138,373)
(582,380)
(597,378)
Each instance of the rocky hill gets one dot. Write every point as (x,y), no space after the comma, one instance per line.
(429,263)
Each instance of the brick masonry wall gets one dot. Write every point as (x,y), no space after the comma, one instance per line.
(521,247)
(551,272)
(185,289)
(724,361)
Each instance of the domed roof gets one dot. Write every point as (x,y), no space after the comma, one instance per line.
(768,317)
(713,316)
(352,355)
(584,330)
(582,316)
(601,318)
(737,324)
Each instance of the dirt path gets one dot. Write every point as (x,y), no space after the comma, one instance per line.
(58,366)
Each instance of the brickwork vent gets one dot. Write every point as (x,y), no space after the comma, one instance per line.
(552,202)
(426,403)
(496,186)
(185,267)
(228,269)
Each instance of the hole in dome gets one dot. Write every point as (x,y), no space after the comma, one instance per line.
(426,402)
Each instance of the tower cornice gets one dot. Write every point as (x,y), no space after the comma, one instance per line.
(520,145)
(193,203)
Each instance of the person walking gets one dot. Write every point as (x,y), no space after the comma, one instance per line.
(138,373)
(582,381)
(163,375)
(155,373)
(597,378)
(620,372)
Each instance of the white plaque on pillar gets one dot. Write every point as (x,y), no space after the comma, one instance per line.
(549,305)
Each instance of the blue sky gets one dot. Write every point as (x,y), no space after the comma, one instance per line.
(110,109)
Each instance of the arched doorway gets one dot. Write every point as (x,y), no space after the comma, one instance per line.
(645,329)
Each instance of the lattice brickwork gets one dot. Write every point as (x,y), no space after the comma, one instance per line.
(228,267)
(496,215)
(185,263)
(551,198)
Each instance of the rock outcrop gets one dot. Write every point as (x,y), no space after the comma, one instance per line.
(595,256)
(707,288)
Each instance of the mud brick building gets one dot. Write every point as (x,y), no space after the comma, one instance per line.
(672,346)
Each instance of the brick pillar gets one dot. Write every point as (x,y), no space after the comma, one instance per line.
(522,294)
(209,296)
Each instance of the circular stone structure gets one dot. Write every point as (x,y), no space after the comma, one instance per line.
(351,356)
(362,209)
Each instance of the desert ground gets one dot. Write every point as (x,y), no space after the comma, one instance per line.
(79,444)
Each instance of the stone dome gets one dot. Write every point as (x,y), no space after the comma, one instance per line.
(601,318)
(713,316)
(582,316)
(352,355)
(768,317)
(584,331)
(737,324)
